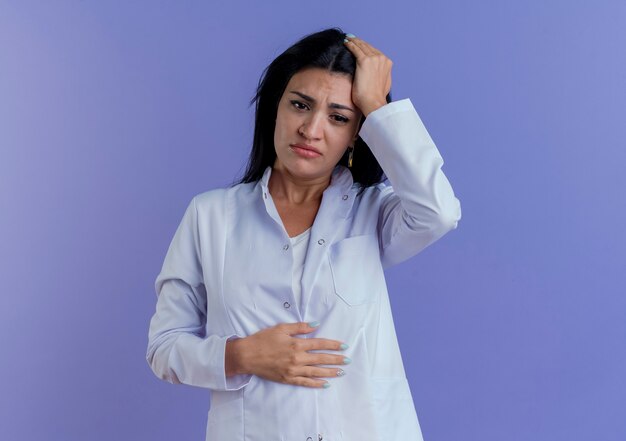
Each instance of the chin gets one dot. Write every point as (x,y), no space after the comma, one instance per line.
(304,169)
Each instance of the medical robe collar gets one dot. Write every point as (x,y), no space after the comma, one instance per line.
(341,185)
(341,179)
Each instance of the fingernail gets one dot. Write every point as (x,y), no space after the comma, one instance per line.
(347,360)
(341,373)
(314,324)
(344,346)
(326,385)
(350,35)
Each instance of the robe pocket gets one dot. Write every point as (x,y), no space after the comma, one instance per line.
(356,269)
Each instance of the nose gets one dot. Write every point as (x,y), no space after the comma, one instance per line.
(312,126)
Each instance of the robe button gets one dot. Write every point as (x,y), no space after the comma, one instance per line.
(345,196)
(265,195)
(286,305)
(321,241)
(286,247)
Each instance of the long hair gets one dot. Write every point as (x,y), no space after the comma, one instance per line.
(326,50)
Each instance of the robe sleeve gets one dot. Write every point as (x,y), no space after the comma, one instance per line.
(419,206)
(178,350)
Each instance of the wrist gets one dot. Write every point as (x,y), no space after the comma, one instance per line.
(370,107)
(234,361)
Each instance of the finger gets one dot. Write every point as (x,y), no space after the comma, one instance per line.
(307,382)
(316,358)
(358,46)
(366,48)
(356,50)
(322,343)
(311,371)
(297,328)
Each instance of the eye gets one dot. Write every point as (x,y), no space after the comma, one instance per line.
(339,118)
(296,102)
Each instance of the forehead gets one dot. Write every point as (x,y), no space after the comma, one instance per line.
(316,81)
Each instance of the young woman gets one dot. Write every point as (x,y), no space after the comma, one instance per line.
(272,293)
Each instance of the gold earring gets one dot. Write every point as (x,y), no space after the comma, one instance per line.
(350,155)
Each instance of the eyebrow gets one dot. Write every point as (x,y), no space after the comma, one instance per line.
(332,105)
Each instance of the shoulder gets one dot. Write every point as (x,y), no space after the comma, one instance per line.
(217,200)
(370,200)
(375,193)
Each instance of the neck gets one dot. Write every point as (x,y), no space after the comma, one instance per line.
(294,189)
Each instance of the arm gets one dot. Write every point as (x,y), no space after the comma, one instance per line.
(178,349)
(419,206)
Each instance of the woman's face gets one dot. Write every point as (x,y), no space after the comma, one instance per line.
(315,109)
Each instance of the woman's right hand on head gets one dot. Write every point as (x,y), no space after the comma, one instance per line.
(274,354)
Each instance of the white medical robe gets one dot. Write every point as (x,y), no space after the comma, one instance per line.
(228,274)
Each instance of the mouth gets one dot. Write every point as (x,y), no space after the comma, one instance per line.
(305,150)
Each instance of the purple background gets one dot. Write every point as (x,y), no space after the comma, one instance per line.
(114,114)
